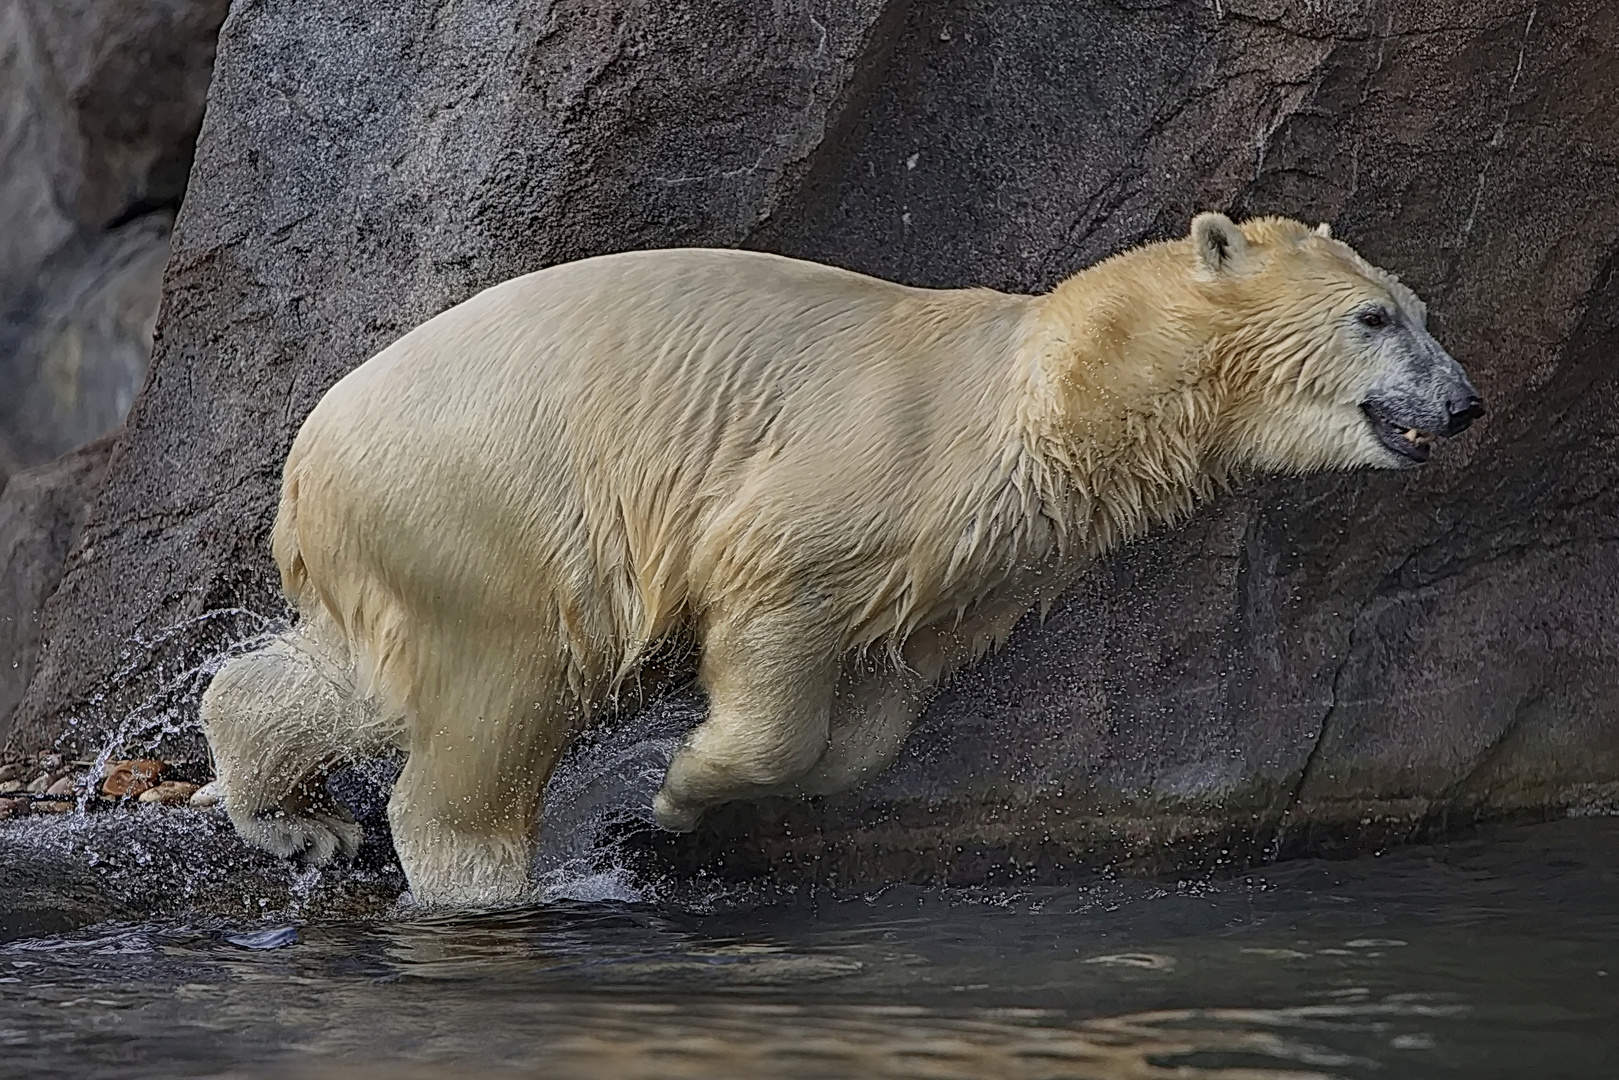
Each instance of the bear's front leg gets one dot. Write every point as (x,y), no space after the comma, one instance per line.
(770,680)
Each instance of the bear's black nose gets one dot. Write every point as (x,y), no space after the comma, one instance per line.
(1463,413)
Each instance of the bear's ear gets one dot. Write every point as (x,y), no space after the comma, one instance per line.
(1324,231)
(1217,244)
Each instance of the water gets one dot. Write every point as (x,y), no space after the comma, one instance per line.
(1496,956)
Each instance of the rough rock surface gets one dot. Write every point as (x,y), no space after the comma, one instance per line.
(100,101)
(41,513)
(1342,658)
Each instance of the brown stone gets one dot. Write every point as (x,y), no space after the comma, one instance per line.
(13,771)
(169,793)
(13,808)
(54,806)
(38,784)
(12,785)
(129,779)
(67,785)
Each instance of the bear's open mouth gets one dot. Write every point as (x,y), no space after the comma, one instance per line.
(1409,442)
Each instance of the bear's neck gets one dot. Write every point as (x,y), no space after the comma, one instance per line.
(1122,409)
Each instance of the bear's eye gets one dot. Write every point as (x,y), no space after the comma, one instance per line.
(1374,318)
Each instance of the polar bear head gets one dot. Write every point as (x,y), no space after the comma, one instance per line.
(1326,360)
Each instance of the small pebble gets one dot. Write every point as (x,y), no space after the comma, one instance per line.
(13,808)
(11,785)
(207,795)
(67,786)
(14,771)
(169,793)
(128,779)
(53,806)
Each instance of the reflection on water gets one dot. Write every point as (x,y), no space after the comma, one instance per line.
(665,1042)
(1497,957)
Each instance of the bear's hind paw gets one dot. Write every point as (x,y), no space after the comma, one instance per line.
(676,817)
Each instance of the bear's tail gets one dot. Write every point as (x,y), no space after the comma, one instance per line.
(284,548)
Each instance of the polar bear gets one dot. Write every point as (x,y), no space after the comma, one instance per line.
(834,490)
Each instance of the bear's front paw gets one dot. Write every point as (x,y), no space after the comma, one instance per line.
(674,816)
(315,840)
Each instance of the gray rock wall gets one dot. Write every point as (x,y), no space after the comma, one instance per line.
(99,106)
(1334,659)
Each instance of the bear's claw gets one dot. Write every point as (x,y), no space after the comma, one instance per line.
(316,839)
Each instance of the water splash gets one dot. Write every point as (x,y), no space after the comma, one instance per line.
(170,709)
(606,780)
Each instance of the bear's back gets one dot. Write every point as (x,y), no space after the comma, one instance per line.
(592,421)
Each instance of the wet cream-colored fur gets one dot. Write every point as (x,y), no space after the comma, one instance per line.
(838,489)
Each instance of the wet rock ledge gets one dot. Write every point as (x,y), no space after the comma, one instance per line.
(1333,661)
(82,842)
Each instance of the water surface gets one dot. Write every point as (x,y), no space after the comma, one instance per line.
(1497,956)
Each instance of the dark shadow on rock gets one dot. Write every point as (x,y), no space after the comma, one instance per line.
(41,513)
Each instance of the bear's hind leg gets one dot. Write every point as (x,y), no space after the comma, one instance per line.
(769,691)
(276,720)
